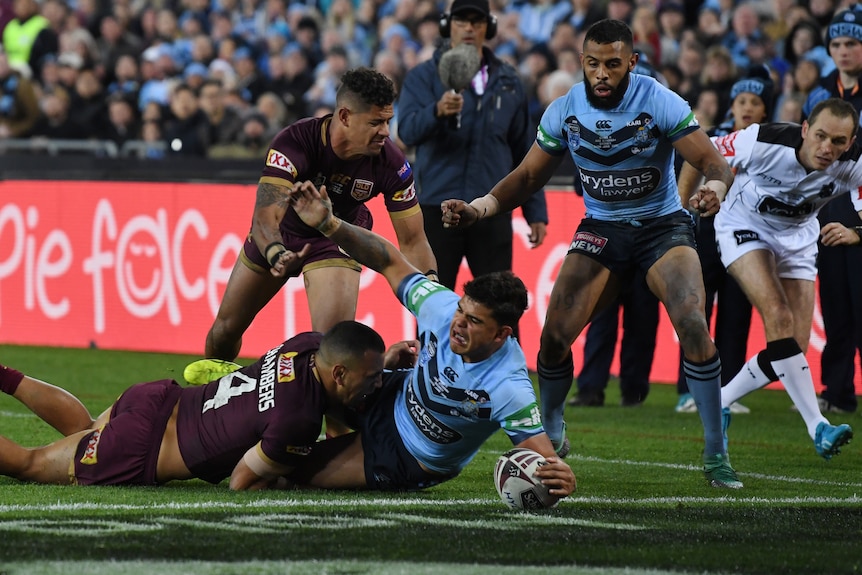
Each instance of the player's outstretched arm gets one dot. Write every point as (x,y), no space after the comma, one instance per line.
(368,248)
(253,473)
(532,173)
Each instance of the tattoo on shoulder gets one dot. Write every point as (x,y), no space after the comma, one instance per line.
(269,194)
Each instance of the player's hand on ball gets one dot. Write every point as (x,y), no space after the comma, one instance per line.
(558,477)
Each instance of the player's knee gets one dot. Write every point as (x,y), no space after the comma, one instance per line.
(694,336)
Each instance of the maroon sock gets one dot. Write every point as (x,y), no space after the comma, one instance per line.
(9,379)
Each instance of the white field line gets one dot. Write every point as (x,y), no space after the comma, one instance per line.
(314,567)
(395,502)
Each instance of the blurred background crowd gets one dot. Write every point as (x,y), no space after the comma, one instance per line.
(218,78)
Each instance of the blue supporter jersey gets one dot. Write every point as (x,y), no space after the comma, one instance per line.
(624,156)
(447,408)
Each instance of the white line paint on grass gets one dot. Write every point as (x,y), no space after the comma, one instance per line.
(401,501)
(308,568)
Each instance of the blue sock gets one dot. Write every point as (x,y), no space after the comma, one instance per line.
(554,385)
(704,384)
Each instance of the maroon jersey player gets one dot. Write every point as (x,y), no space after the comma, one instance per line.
(254,425)
(351,154)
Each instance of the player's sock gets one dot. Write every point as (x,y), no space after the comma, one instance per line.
(9,379)
(554,385)
(756,373)
(795,374)
(704,384)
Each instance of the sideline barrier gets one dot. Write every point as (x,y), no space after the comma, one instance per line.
(142,266)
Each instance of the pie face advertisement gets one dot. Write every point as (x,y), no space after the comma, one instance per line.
(143,266)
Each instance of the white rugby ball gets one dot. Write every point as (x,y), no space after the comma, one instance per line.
(513,478)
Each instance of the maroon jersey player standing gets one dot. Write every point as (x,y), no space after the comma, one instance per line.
(254,425)
(351,154)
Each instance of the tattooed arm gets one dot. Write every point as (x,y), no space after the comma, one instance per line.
(368,248)
(269,209)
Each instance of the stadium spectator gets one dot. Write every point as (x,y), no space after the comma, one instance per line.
(195,74)
(186,128)
(252,141)
(652,234)
(840,266)
(292,81)
(157,431)
(710,29)
(467,337)
(19,108)
(54,122)
(465,142)
(114,41)
(584,13)
(536,18)
(122,121)
(127,80)
(88,102)
(743,34)
(249,80)
(225,122)
(274,113)
(28,37)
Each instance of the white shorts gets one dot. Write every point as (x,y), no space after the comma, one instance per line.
(738,232)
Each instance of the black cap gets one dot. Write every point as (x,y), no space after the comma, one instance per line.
(480,6)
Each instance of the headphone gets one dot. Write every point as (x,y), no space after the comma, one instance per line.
(446,26)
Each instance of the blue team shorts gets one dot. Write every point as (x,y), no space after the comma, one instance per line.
(622,246)
(388,464)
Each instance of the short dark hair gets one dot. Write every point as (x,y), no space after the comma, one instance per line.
(349,340)
(502,292)
(837,107)
(608,31)
(365,87)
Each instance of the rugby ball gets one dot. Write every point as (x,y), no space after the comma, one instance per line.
(513,478)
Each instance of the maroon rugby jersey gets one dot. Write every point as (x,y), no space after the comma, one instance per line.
(302,151)
(276,401)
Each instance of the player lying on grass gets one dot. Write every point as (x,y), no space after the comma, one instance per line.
(253,425)
(469,380)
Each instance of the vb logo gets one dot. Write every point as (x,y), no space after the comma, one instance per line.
(603,125)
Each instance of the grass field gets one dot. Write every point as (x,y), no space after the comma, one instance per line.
(642,505)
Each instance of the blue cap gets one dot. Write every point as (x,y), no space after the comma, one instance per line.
(195,69)
(242,52)
(847,23)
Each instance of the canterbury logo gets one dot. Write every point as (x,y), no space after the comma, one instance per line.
(603,125)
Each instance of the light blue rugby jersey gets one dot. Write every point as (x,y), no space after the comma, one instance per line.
(624,156)
(447,408)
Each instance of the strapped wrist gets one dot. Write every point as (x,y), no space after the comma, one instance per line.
(329,226)
(276,249)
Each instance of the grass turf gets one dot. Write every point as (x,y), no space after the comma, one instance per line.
(642,503)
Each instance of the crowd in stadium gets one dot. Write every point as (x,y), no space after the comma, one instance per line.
(220,77)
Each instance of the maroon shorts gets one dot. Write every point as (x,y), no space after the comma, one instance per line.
(323,253)
(126,450)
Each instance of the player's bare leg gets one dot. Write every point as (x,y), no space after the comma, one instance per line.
(48,464)
(786,307)
(677,280)
(582,286)
(332,292)
(56,406)
(247,292)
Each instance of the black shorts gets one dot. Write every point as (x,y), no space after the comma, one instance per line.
(388,464)
(622,246)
